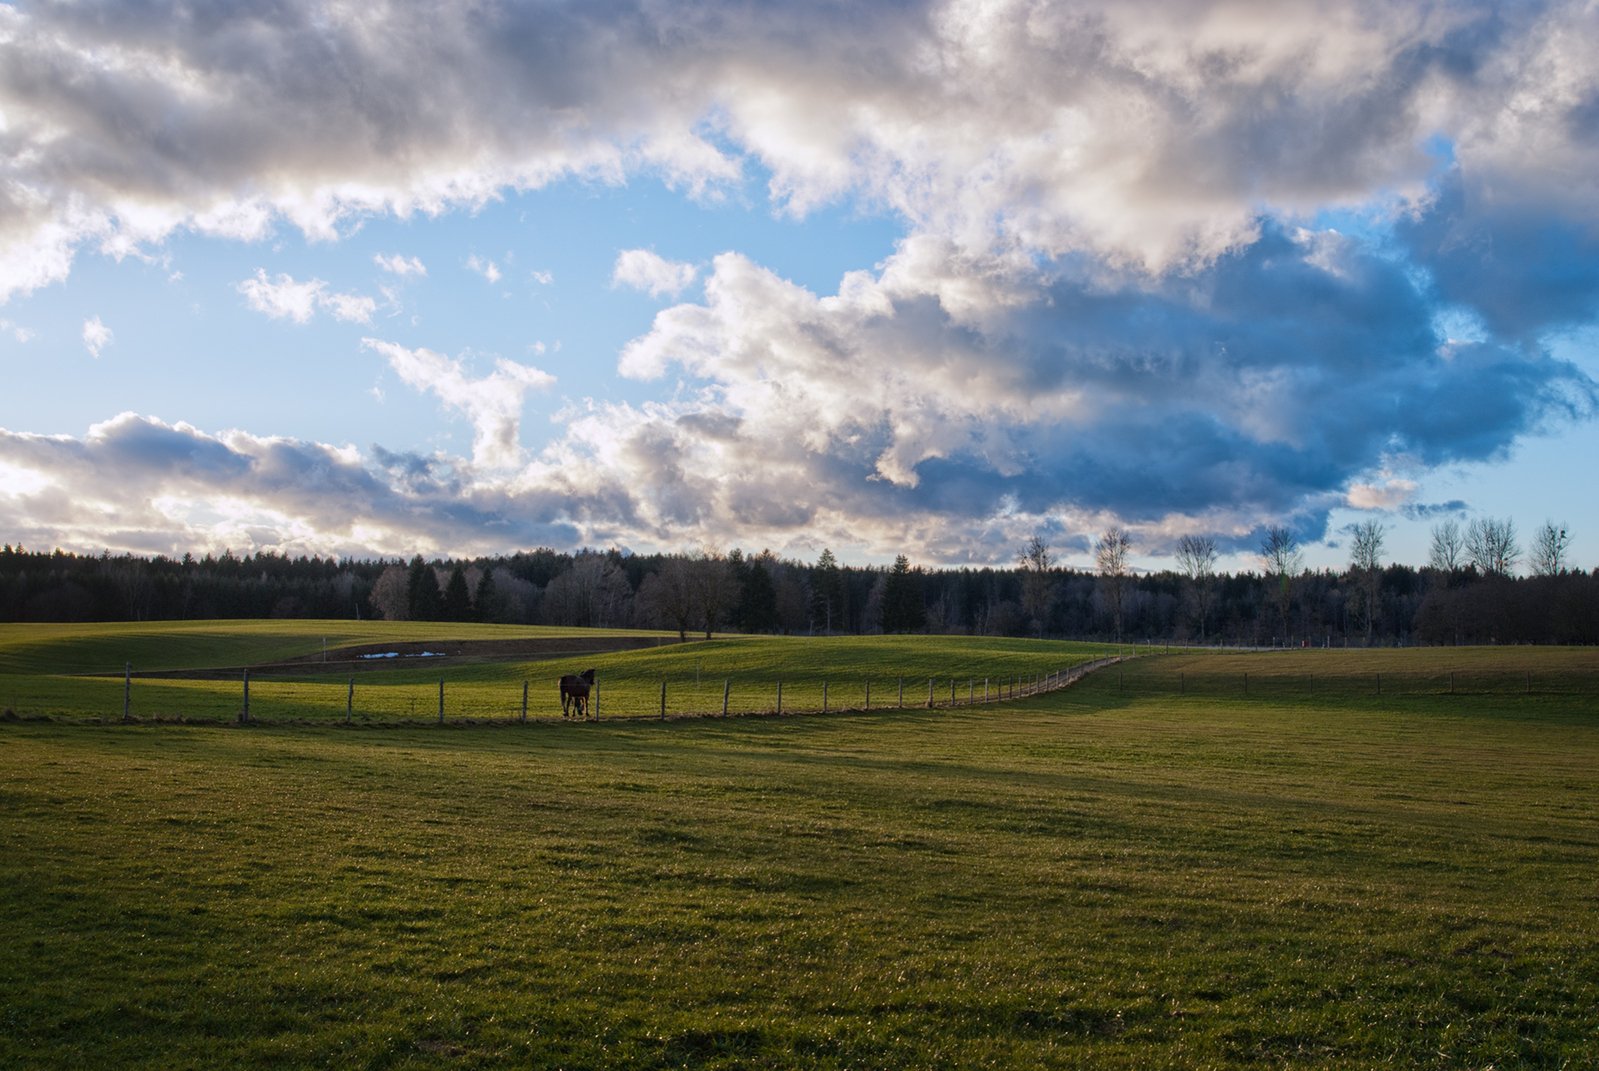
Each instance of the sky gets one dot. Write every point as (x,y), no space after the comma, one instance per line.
(378,279)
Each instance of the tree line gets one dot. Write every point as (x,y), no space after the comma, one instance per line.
(1468,592)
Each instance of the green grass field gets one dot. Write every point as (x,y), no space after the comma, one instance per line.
(73,672)
(1120,875)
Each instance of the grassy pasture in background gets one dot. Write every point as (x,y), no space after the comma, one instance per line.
(1114,876)
(74,672)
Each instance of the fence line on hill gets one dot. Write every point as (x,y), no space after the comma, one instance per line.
(265,701)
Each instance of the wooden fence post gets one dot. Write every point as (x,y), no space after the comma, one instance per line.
(824,697)
(902,692)
(127,690)
(780,697)
(868,693)
(596,715)
(524,700)
(929,693)
(971,691)
(349,702)
(727,687)
(244,715)
(441,700)
(952,691)
(663,698)
(985,689)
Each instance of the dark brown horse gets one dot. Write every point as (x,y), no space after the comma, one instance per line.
(575,692)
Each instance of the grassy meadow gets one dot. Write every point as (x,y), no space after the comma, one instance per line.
(75,672)
(1125,874)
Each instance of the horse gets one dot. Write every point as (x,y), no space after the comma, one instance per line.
(575,692)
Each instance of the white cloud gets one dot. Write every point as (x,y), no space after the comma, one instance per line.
(96,336)
(17,331)
(397,264)
(1110,297)
(492,403)
(1150,135)
(644,269)
(486,268)
(284,298)
(1390,494)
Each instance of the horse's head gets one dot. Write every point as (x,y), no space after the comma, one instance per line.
(588,675)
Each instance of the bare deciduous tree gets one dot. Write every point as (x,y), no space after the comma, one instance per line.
(1038,588)
(715,588)
(1196,556)
(1110,554)
(668,596)
(390,596)
(1365,560)
(1549,546)
(1280,554)
(1447,553)
(1491,546)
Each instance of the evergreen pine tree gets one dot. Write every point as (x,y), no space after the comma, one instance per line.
(457,600)
(486,599)
(903,608)
(422,591)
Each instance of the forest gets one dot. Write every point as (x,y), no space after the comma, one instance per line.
(1452,600)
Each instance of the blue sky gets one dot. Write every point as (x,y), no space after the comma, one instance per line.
(909,278)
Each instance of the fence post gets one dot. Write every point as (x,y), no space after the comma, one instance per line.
(441,700)
(663,698)
(985,689)
(524,700)
(780,697)
(971,691)
(824,697)
(349,702)
(868,693)
(244,715)
(596,715)
(902,692)
(127,689)
(929,693)
(952,691)
(1451,682)
(727,686)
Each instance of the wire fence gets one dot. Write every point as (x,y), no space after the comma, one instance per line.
(361,701)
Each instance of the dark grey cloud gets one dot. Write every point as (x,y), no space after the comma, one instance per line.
(1525,267)
(1422,511)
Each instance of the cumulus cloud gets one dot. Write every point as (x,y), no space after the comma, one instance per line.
(1154,136)
(486,268)
(138,482)
(492,403)
(1116,296)
(644,269)
(397,264)
(284,298)
(16,331)
(96,336)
